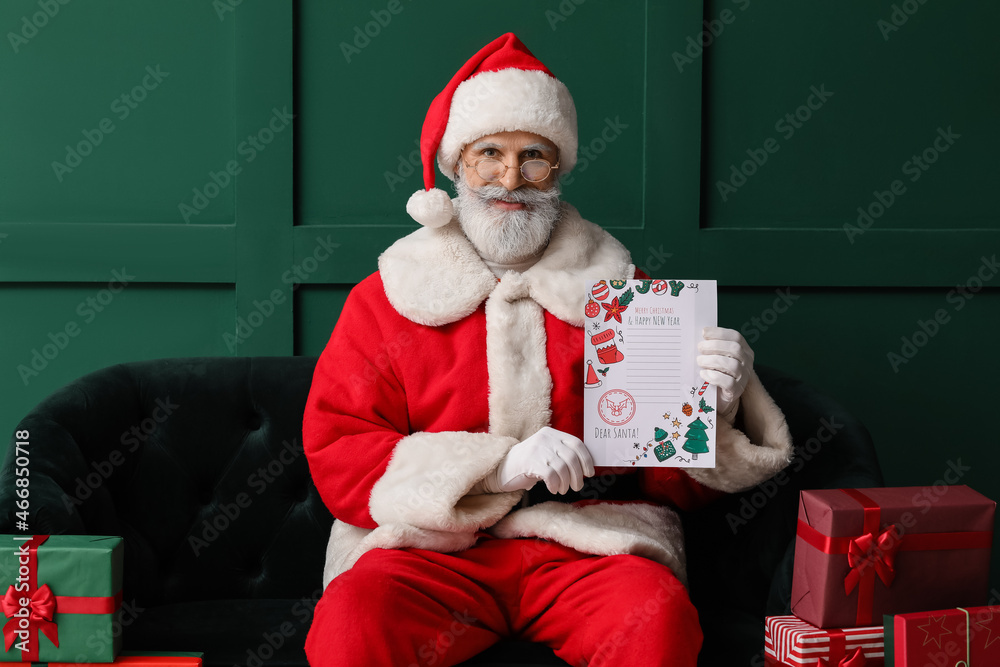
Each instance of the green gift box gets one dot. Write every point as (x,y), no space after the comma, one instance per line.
(61,594)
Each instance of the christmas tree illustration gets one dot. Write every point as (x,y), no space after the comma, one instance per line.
(695,443)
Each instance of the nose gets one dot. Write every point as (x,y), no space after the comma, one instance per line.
(513,179)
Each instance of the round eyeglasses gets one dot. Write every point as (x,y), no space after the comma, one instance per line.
(533,171)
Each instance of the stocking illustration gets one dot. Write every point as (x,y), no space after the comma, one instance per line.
(607,350)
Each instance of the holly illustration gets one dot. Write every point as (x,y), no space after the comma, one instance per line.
(705,407)
(643,287)
(592,309)
(604,371)
(696,439)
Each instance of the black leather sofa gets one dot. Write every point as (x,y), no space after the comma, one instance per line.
(198,464)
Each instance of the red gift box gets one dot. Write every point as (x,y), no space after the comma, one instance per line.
(969,635)
(791,642)
(131,659)
(862,553)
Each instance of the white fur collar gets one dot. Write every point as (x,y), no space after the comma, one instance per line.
(435,276)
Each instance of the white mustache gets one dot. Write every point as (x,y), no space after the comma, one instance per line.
(520,196)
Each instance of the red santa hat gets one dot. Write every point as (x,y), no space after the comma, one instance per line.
(501,88)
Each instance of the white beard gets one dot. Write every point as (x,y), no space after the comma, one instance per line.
(504,236)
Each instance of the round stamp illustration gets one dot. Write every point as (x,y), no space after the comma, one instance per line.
(616,407)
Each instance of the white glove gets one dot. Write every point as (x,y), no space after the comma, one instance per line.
(726,361)
(559,459)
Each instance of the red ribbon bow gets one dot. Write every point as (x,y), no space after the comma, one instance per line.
(42,609)
(867,551)
(856,659)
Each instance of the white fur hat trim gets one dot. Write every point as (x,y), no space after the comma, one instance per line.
(505,101)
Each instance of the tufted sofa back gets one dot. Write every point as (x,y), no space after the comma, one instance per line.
(197,463)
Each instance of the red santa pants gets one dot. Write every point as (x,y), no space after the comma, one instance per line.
(418,608)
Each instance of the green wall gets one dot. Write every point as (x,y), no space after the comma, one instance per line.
(236,230)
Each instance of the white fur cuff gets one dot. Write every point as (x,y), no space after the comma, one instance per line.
(429,477)
(741,463)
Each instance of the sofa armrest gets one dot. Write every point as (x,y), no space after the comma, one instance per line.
(55,467)
(196,462)
(741,548)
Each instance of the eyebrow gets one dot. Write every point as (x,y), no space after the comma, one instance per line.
(482,145)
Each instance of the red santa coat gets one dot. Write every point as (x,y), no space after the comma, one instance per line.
(436,368)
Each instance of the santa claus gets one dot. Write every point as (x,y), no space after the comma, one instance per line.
(453,384)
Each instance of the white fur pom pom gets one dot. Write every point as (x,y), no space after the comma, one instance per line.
(431,208)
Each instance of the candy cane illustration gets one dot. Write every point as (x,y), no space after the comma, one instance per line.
(703,388)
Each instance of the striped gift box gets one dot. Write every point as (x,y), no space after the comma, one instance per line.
(791,642)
